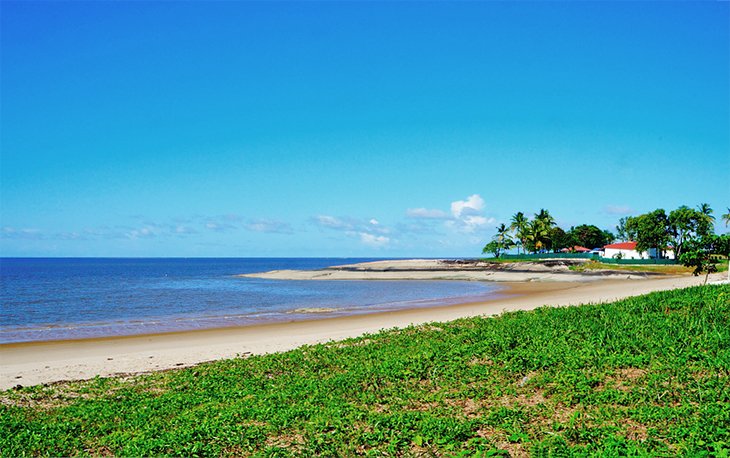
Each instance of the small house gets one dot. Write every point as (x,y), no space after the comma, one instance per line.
(623,250)
(576,249)
(627,250)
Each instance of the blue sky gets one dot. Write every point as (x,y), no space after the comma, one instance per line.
(350,129)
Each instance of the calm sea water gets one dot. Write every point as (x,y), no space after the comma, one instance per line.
(48,299)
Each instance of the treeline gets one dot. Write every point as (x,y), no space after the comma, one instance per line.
(542,234)
(689,232)
(659,230)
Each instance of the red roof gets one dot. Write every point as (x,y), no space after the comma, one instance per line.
(579,249)
(622,246)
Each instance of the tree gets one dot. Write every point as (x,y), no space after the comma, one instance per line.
(503,237)
(651,229)
(561,239)
(726,217)
(536,236)
(608,237)
(519,226)
(687,225)
(540,229)
(621,233)
(590,236)
(706,210)
(626,230)
(493,247)
(546,218)
(699,253)
(500,243)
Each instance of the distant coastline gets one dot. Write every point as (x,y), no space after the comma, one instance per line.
(459,270)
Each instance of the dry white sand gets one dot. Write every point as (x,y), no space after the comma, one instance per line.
(45,362)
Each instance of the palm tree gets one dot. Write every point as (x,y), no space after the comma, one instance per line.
(536,235)
(706,210)
(519,225)
(546,218)
(501,242)
(544,224)
(503,237)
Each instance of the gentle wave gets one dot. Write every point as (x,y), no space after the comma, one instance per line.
(314,310)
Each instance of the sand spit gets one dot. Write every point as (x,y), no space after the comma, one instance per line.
(464,270)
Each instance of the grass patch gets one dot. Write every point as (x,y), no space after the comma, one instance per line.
(669,269)
(642,376)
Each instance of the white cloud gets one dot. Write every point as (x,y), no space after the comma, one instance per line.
(426,213)
(466,216)
(10,232)
(71,236)
(470,224)
(143,232)
(269,226)
(373,240)
(332,222)
(219,226)
(183,229)
(621,210)
(473,223)
(369,232)
(473,205)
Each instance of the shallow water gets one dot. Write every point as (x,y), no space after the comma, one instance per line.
(64,298)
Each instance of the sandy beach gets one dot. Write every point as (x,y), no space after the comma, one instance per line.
(440,269)
(46,362)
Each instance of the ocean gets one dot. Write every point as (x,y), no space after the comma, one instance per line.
(73,298)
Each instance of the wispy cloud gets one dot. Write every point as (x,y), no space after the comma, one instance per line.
(10,232)
(147,231)
(222,223)
(620,210)
(470,223)
(183,229)
(376,241)
(426,213)
(464,216)
(72,236)
(332,222)
(369,232)
(269,226)
(420,226)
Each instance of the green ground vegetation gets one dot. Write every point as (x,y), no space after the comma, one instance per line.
(668,269)
(642,376)
(588,265)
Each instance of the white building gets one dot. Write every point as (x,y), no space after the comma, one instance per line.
(627,250)
(623,250)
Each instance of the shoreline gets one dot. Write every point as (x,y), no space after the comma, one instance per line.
(303,312)
(33,363)
(548,270)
